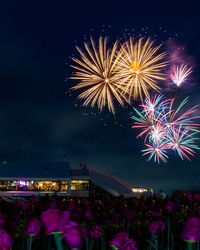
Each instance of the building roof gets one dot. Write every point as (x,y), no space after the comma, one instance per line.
(112,184)
(35,170)
(80,173)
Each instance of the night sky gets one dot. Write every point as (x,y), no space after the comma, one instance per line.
(42,120)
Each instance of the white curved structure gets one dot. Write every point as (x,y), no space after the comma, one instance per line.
(110,183)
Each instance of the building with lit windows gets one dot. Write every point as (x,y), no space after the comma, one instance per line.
(25,178)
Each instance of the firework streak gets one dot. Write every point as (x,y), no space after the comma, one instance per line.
(166,128)
(180,74)
(96,74)
(139,67)
(122,74)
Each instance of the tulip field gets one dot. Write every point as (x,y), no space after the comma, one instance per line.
(57,223)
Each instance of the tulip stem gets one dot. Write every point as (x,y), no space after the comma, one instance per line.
(156,242)
(58,240)
(49,242)
(103,241)
(91,244)
(189,246)
(128,227)
(87,243)
(168,233)
(30,242)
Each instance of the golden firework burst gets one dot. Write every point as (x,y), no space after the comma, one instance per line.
(139,67)
(96,73)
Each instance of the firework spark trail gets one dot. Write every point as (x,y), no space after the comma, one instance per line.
(167,128)
(96,73)
(125,74)
(155,107)
(158,152)
(177,117)
(180,74)
(183,142)
(139,67)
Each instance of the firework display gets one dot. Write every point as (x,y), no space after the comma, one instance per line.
(124,74)
(132,70)
(180,74)
(96,74)
(139,67)
(167,128)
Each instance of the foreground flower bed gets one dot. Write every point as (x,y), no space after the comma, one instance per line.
(99,224)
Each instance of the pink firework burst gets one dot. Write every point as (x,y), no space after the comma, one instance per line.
(180,74)
(156,151)
(167,127)
(182,141)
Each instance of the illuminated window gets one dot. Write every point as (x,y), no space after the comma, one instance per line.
(22,185)
(63,187)
(47,186)
(139,190)
(79,185)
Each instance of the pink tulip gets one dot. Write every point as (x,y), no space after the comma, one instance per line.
(95,233)
(33,227)
(51,219)
(88,214)
(156,226)
(170,206)
(6,240)
(122,241)
(191,231)
(73,234)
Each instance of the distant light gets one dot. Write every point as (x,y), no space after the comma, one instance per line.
(22,183)
(139,190)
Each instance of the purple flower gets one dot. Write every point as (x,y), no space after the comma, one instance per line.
(88,214)
(188,196)
(191,231)
(95,233)
(156,226)
(115,217)
(76,215)
(198,211)
(25,205)
(84,232)
(33,227)
(122,241)
(51,219)
(170,206)
(2,218)
(156,214)
(65,217)
(130,215)
(152,205)
(86,203)
(131,245)
(107,221)
(197,197)
(70,205)
(6,240)
(73,234)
